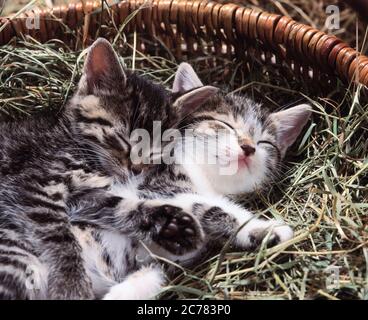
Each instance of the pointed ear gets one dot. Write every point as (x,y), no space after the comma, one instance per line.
(102,68)
(186,79)
(190,101)
(289,124)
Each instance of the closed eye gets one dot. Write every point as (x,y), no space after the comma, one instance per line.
(271,144)
(225,123)
(209,118)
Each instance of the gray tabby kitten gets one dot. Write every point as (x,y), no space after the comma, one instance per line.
(80,220)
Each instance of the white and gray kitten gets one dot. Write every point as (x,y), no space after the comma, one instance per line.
(90,219)
(195,195)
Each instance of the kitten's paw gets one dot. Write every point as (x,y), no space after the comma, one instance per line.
(178,232)
(143,284)
(252,235)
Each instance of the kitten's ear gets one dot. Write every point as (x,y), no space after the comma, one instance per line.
(102,68)
(190,101)
(289,124)
(186,79)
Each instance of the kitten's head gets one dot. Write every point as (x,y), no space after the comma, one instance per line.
(109,103)
(112,102)
(244,142)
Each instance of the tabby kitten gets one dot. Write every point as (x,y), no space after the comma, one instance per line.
(80,220)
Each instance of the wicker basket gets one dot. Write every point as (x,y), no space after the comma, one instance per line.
(193,28)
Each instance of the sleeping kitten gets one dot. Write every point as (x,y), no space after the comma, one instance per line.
(80,220)
(46,168)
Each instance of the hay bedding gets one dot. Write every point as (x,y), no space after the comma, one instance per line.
(322,192)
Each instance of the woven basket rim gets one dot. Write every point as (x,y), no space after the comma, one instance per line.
(294,42)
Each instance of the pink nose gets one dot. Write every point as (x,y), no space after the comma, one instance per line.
(248,150)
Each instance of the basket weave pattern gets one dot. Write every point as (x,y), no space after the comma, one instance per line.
(195,27)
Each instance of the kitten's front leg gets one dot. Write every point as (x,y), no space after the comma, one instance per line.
(157,220)
(222,218)
(172,228)
(256,230)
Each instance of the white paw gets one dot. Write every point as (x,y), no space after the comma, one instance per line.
(254,232)
(143,284)
(284,232)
